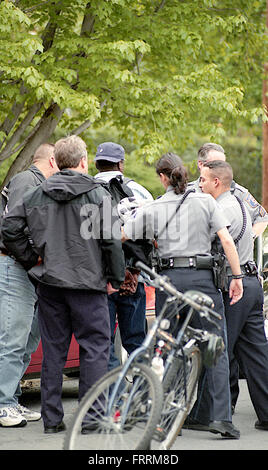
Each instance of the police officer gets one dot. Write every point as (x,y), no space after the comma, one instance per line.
(179,243)
(247,342)
(259,217)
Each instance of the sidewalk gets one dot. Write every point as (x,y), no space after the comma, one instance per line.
(32,437)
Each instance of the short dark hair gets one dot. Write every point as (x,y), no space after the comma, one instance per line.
(105,165)
(221,170)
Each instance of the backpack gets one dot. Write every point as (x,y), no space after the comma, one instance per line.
(139,250)
(118,188)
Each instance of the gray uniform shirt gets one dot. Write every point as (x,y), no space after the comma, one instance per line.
(257,212)
(233,213)
(188,231)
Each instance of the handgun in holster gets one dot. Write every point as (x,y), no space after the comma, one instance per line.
(220,272)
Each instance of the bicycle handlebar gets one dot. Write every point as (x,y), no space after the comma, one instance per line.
(162,281)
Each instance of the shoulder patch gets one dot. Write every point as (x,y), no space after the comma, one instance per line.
(251,201)
(262,212)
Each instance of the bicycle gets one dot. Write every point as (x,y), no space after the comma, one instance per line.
(134,408)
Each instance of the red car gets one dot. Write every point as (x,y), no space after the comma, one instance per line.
(72,363)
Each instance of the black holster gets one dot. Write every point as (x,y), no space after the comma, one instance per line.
(220,272)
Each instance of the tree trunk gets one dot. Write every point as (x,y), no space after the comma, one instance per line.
(46,128)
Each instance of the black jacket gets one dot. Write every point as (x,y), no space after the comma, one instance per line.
(16,188)
(79,244)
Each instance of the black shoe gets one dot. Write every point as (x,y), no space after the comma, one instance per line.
(53,429)
(191,423)
(224,428)
(263,425)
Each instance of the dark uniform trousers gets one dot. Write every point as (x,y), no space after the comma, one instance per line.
(248,345)
(61,313)
(213,401)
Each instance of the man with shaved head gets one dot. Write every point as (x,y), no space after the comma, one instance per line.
(212,152)
(19,332)
(247,341)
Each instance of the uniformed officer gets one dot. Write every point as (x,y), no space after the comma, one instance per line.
(245,323)
(179,242)
(259,217)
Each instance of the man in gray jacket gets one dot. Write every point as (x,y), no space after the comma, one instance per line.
(75,252)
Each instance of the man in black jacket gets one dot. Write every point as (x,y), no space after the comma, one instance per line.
(19,332)
(76,253)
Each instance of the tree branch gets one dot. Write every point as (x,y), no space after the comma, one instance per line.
(43,130)
(160,6)
(86,124)
(9,121)
(9,147)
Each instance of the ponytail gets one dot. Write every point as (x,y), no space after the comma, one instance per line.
(178,179)
(171,165)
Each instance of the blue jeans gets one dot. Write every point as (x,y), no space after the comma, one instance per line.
(130,311)
(19,332)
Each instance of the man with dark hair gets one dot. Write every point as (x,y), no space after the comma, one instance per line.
(77,264)
(247,341)
(19,332)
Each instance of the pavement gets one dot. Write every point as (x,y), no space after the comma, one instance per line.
(32,438)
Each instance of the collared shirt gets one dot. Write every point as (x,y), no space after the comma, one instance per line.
(233,213)
(257,213)
(188,231)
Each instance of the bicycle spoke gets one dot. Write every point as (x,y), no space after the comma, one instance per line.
(122,420)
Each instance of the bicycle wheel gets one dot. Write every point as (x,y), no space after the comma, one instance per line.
(179,386)
(117,419)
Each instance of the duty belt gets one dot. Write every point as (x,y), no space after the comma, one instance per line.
(249,269)
(198,262)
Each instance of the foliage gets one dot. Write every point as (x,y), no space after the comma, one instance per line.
(157,71)
(243,152)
